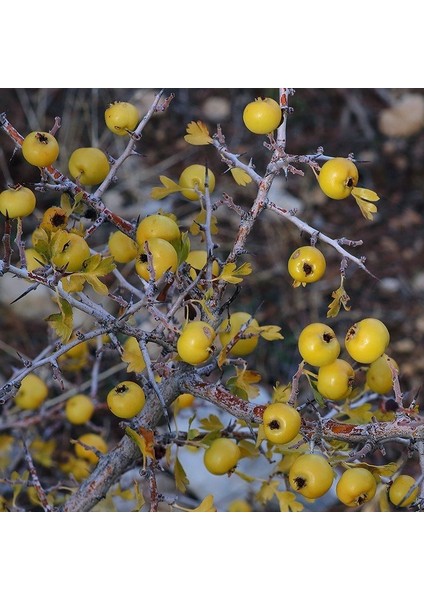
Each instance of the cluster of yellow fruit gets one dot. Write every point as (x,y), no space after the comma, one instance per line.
(366,342)
(88,166)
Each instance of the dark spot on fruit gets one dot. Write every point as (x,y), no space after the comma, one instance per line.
(361,499)
(349,182)
(121,389)
(299,483)
(274,424)
(58,220)
(307,269)
(43,139)
(327,337)
(351,332)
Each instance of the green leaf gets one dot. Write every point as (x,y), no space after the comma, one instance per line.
(182,247)
(62,322)
(181,480)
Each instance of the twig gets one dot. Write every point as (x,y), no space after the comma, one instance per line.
(35,480)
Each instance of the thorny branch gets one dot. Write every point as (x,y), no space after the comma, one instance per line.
(182,378)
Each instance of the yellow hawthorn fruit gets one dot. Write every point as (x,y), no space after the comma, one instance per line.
(194,177)
(184,400)
(318,345)
(356,486)
(306,265)
(229,328)
(337,177)
(17,202)
(126,399)
(401,493)
(32,392)
(123,248)
(89,166)
(262,116)
(164,258)
(157,226)
(69,251)
(194,343)
(311,475)
(197,260)
(379,375)
(90,439)
(79,409)
(221,456)
(367,340)
(40,148)
(335,380)
(54,218)
(281,423)
(75,358)
(121,117)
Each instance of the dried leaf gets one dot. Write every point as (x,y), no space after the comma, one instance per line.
(197,134)
(240,176)
(144,440)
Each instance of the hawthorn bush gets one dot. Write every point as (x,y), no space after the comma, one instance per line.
(165,368)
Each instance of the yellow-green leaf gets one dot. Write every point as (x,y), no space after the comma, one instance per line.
(182,247)
(240,176)
(245,381)
(340,298)
(211,423)
(248,449)
(200,219)
(62,322)
(281,393)
(288,502)
(181,480)
(269,332)
(364,199)
(387,470)
(207,505)
(233,274)
(133,356)
(169,187)
(360,415)
(267,491)
(197,134)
